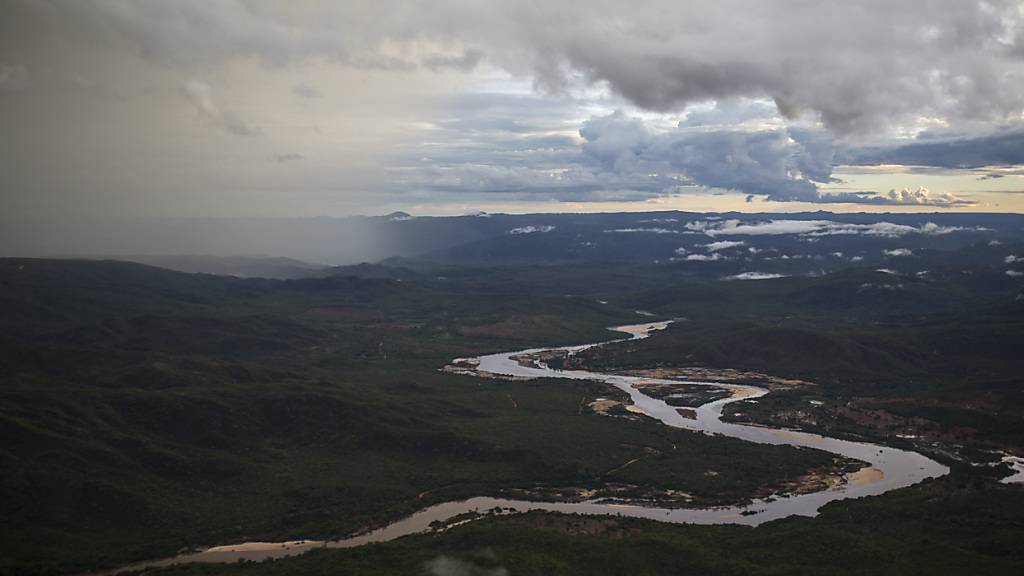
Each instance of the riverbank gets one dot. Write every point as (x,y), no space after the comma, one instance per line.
(896,468)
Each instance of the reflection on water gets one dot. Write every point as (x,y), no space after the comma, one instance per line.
(889,469)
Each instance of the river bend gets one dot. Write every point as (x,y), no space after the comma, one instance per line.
(889,468)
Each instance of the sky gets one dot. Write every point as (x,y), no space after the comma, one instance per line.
(242,108)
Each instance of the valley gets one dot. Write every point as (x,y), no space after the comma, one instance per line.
(150,411)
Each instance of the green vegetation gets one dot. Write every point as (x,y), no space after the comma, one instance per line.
(144,410)
(955,374)
(951,526)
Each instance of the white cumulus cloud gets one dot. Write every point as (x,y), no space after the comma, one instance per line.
(722,245)
(531,230)
(814,228)
(754,276)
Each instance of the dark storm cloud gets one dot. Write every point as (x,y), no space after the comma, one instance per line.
(858,65)
(781,165)
(618,157)
(1005,149)
(622,157)
(763,162)
(768,96)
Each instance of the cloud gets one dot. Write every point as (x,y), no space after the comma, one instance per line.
(769,163)
(617,141)
(14,78)
(713,257)
(933,229)
(903,197)
(200,94)
(956,151)
(304,90)
(754,276)
(531,230)
(382,62)
(923,196)
(722,245)
(897,252)
(493,146)
(646,231)
(778,164)
(1011,259)
(660,55)
(854,85)
(730,113)
(465,62)
(769,227)
(814,228)
(485,113)
(754,105)
(511,144)
(1014,273)
(869,285)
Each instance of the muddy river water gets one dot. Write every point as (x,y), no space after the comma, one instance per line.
(889,469)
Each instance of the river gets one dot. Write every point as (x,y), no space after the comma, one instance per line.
(889,469)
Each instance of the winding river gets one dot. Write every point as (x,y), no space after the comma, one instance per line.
(890,468)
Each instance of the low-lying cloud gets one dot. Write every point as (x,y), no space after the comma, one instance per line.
(539,229)
(646,231)
(723,245)
(682,255)
(814,228)
(754,276)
